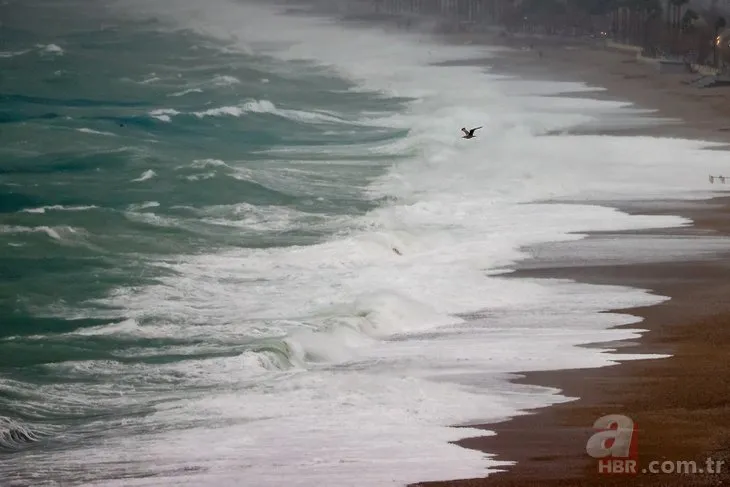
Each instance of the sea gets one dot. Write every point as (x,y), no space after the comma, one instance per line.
(244,244)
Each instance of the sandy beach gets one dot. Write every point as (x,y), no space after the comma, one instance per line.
(681,403)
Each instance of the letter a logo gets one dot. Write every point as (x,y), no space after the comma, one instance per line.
(615,437)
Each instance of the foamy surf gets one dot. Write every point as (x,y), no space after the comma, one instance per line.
(164,114)
(59,233)
(143,206)
(146,176)
(186,92)
(225,80)
(11,54)
(85,130)
(51,49)
(265,106)
(44,209)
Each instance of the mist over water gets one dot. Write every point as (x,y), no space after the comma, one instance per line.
(243,246)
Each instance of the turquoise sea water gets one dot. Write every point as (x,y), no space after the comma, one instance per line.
(121,147)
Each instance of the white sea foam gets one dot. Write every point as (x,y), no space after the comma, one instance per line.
(10,54)
(51,49)
(225,80)
(147,175)
(356,352)
(217,81)
(265,106)
(164,114)
(267,218)
(143,206)
(151,78)
(58,233)
(252,106)
(122,327)
(43,209)
(186,92)
(201,176)
(94,132)
(202,163)
(151,218)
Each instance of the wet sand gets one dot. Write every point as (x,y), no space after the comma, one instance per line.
(681,404)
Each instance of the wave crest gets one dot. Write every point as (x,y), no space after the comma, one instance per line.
(15,436)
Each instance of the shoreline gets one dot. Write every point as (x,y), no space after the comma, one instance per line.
(678,419)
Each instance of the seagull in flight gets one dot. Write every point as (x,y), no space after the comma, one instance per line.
(469,134)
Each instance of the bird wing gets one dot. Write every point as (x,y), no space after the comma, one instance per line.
(466,132)
(474,129)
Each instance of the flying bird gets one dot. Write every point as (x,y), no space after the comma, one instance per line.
(469,134)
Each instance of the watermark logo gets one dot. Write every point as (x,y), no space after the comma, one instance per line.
(614,445)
